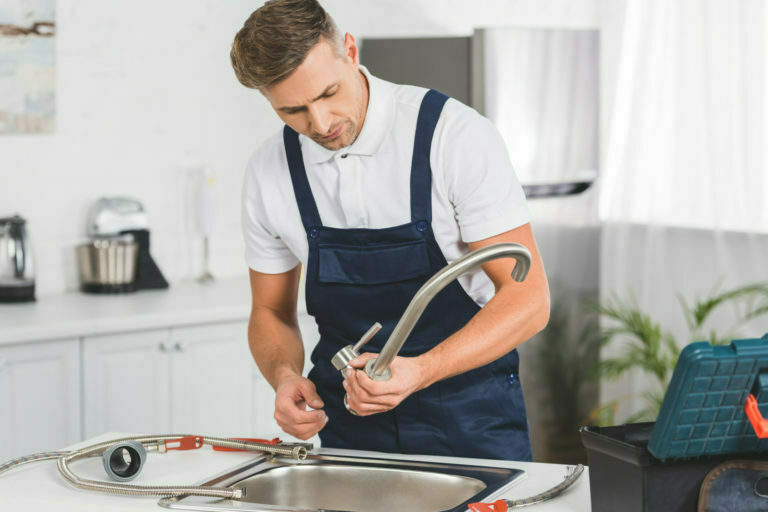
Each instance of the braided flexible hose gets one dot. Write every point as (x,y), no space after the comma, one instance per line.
(28,459)
(153,443)
(572,474)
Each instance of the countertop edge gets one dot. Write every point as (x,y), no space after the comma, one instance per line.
(76,315)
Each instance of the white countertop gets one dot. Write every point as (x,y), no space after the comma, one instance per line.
(38,486)
(76,314)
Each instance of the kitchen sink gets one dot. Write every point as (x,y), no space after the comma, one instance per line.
(338,483)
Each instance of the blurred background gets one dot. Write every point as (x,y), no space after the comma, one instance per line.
(637,126)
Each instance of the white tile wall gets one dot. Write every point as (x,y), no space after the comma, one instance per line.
(145,94)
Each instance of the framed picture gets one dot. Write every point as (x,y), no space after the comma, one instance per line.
(27,66)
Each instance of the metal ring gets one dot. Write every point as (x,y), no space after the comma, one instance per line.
(346,404)
(123,461)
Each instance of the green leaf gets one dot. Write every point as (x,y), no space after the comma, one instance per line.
(759,311)
(704,308)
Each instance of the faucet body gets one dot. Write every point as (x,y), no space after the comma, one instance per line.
(378,369)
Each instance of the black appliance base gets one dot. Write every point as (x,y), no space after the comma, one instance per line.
(108,289)
(17,293)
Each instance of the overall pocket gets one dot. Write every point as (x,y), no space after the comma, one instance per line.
(371,265)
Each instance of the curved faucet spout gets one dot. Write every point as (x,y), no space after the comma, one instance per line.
(378,369)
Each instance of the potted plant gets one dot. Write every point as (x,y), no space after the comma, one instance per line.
(654,350)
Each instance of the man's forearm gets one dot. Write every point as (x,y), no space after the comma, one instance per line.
(505,322)
(276,345)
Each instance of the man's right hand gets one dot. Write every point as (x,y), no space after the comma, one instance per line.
(292,396)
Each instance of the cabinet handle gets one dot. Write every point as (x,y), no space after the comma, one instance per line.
(179,346)
(163,347)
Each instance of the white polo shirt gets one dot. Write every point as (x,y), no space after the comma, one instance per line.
(475,193)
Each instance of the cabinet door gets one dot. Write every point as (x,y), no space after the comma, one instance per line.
(39,397)
(210,380)
(126,383)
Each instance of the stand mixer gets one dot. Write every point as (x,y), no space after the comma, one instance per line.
(117,260)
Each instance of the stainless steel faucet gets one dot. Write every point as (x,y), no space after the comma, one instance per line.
(378,369)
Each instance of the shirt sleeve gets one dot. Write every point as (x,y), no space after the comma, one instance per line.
(477,174)
(265,251)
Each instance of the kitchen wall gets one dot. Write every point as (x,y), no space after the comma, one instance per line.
(146,96)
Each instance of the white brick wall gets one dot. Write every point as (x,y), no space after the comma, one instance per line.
(145,93)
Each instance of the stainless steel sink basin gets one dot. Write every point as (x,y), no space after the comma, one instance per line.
(333,483)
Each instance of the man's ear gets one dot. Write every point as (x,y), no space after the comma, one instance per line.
(350,47)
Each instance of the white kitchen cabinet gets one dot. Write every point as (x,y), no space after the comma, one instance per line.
(39,397)
(193,380)
(211,389)
(126,382)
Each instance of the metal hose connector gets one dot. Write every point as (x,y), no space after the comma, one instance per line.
(153,443)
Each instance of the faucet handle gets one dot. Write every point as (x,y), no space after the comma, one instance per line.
(370,333)
(342,358)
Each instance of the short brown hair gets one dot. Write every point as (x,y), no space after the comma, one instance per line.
(276,38)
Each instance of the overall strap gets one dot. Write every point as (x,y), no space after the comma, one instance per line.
(421,172)
(306,201)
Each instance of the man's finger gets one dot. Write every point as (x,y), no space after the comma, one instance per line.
(300,417)
(365,409)
(305,432)
(287,423)
(361,396)
(309,393)
(353,389)
(294,412)
(359,361)
(370,388)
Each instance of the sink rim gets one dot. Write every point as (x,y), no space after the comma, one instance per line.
(500,479)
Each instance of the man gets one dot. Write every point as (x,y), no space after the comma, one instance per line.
(374,187)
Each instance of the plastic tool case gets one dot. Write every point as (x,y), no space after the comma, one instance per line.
(712,412)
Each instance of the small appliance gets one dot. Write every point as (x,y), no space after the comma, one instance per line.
(117,259)
(17,280)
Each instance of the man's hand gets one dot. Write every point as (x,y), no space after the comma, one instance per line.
(366,396)
(292,396)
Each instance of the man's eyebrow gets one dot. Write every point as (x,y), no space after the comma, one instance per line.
(325,91)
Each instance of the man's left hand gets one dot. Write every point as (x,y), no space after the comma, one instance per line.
(366,396)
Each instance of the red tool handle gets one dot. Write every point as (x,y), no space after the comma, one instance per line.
(184,443)
(759,423)
(263,441)
(497,506)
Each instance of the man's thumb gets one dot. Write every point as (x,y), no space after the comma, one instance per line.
(310,395)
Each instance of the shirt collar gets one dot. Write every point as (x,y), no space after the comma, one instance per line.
(378,119)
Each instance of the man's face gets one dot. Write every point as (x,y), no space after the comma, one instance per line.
(325,98)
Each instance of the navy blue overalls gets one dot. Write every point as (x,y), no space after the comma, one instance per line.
(356,277)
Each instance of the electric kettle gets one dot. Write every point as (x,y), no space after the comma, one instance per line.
(17,280)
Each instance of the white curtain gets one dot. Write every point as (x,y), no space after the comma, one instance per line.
(684,189)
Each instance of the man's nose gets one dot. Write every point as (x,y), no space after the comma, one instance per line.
(320,119)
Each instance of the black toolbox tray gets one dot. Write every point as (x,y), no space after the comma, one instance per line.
(625,477)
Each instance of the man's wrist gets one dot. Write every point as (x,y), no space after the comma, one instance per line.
(430,369)
(284,373)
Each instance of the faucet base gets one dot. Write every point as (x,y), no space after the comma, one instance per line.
(346,404)
(369,371)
